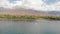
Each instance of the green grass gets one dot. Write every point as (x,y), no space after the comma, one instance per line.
(26,17)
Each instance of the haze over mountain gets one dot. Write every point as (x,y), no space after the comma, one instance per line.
(54,12)
(23,11)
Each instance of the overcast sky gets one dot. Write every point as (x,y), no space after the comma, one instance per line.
(45,5)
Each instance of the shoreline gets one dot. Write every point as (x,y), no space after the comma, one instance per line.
(27,17)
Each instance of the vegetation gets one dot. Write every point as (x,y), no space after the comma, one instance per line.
(18,17)
(15,17)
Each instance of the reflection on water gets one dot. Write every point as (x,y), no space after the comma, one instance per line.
(33,27)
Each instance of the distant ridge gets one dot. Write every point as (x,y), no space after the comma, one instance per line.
(23,11)
(54,13)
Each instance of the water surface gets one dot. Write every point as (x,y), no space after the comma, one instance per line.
(30,27)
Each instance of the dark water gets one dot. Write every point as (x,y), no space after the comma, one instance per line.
(29,27)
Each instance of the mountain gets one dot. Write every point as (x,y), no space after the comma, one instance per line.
(23,11)
(54,13)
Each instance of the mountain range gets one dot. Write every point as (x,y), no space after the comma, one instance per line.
(30,12)
(54,12)
(22,11)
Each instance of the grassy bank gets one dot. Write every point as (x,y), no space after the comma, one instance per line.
(18,17)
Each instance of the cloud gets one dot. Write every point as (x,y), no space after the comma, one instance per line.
(41,5)
(31,4)
(54,7)
(49,2)
(7,4)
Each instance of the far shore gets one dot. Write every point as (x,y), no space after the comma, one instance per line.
(27,17)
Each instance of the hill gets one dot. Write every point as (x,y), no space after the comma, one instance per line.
(22,11)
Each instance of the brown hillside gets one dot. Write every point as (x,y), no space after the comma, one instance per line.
(23,12)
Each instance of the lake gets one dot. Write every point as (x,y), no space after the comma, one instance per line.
(30,27)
